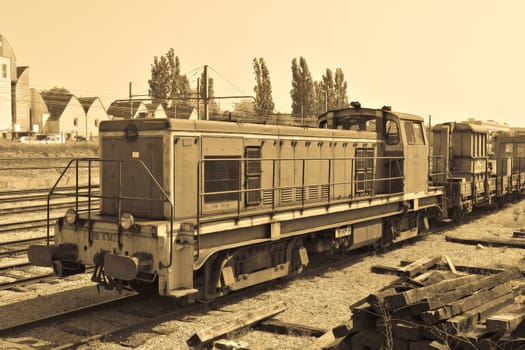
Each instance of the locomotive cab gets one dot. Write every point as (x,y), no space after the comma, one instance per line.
(401,136)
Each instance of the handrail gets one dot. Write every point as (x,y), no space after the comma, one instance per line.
(120,197)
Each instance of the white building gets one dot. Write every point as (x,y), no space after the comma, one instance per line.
(5,94)
(7,79)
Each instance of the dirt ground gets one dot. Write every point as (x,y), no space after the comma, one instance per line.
(320,300)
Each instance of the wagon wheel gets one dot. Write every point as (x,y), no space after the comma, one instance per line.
(457,216)
(386,238)
(420,222)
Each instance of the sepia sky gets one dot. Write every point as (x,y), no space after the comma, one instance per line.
(448,58)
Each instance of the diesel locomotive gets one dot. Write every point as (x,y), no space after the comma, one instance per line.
(196,209)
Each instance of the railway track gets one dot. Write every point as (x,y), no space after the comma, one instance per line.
(113,319)
(121,317)
(13,248)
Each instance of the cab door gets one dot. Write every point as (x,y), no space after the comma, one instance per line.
(416,155)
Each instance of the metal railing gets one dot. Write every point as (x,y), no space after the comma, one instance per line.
(74,163)
(302,175)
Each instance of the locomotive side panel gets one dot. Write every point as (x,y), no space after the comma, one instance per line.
(341,169)
(186,157)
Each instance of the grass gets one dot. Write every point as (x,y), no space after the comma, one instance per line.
(10,148)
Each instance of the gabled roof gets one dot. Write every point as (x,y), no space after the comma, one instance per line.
(86,102)
(20,71)
(121,108)
(56,103)
(152,107)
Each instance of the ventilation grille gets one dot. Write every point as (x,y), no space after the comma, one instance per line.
(286,195)
(313,192)
(267,197)
(324,191)
(300,193)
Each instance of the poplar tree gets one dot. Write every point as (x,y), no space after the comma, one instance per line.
(302,92)
(263,104)
(340,86)
(166,81)
(328,87)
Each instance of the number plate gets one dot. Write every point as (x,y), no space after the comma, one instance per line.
(343,231)
(104,236)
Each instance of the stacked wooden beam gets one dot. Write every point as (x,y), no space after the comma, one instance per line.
(431,309)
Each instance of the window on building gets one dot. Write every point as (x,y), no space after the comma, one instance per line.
(96,123)
(75,122)
(4,71)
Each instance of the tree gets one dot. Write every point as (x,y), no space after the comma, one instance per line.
(320,98)
(166,80)
(302,91)
(263,89)
(245,107)
(56,91)
(330,92)
(340,86)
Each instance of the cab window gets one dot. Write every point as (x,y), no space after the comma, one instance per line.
(391,132)
(414,133)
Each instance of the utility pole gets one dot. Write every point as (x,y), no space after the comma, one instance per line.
(198,99)
(130,104)
(206,116)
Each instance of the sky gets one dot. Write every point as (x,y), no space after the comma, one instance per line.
(451,59)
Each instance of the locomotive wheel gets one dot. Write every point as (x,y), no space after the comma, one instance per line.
(211,277)
(386,238)
(420,222)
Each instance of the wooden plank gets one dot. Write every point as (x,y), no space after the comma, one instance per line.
(363,317)
(429,277)
(492,241)
(400,300)
(368,339)
(485,282)
(386,270)
(230,344)
(333,337)
(470,318)
(281,327)
(451,266)
(407,330)
(457,307)
(507,321)
(419,266)
(519,234)
(480,270)
(245,319)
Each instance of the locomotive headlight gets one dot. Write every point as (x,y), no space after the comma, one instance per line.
(71,216)
(126,221)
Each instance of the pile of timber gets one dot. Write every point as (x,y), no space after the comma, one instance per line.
(436,309)
(442,312)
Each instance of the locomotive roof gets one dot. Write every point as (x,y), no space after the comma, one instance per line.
(369,112)
(146,124)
